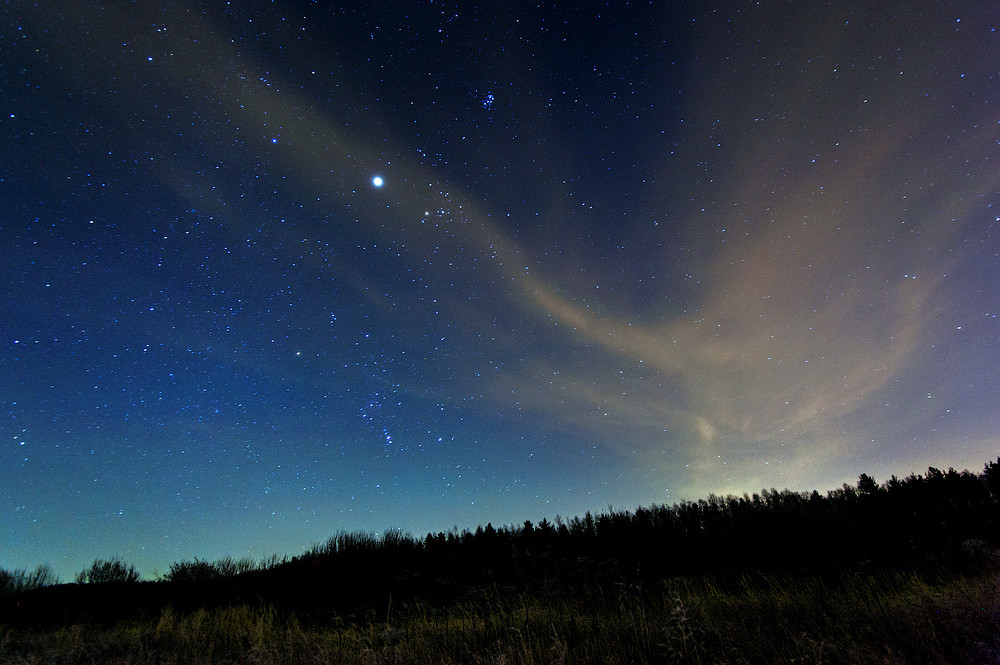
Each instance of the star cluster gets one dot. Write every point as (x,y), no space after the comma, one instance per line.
(273,271)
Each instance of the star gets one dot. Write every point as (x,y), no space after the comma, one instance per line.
(377,181)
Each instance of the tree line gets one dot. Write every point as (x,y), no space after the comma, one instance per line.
(922,519)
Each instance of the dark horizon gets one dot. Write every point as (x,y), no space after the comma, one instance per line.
(939,517)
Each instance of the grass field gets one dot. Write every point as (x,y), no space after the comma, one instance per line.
(848,617)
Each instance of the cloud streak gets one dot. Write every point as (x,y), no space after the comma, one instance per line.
(822,252)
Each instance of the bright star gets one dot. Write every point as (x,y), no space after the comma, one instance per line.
(377,181)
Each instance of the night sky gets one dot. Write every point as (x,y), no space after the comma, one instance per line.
(275,270)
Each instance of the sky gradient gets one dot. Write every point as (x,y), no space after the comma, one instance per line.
(619,255)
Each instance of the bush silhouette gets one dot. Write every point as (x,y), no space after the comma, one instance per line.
(108,571)
(15,582)
(192,571)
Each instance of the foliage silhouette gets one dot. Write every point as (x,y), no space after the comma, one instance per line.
(199,571)
(921,520)
(108,571)
(15,582)
(192,571)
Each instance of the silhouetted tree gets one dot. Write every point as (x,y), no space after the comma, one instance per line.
(991,476)
(230,567)
(16,582)
(104,571)
(867,485)
(192,572)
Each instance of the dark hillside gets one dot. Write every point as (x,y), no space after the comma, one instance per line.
(937,519)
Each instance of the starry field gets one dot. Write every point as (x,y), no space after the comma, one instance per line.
(274,270)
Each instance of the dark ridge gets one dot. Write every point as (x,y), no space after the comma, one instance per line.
(939,519)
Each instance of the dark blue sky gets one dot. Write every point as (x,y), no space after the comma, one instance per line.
(621,255)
